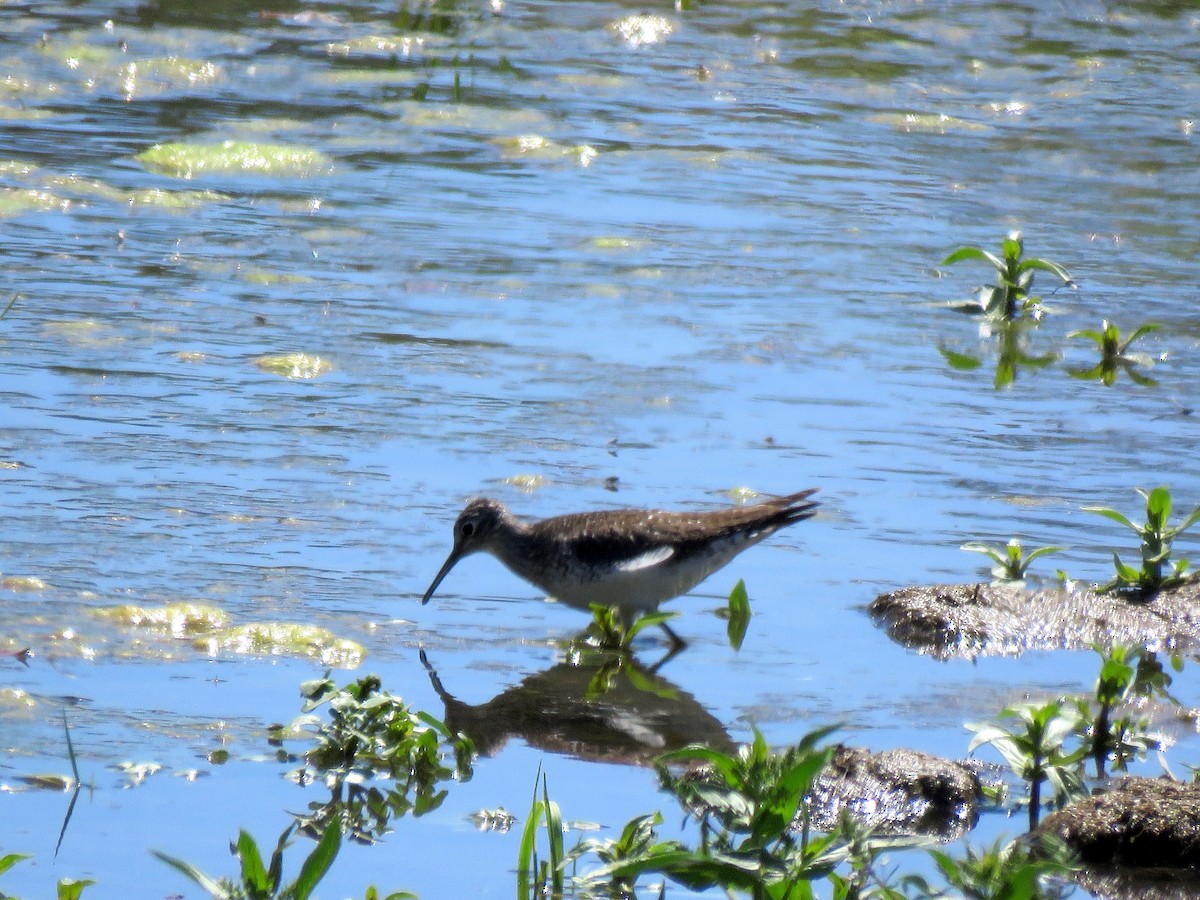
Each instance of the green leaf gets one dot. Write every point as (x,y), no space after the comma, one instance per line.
(275,870)
(645,621)
(1158,505)
(554,834)
(1188,522)
(1138,378)
(1040,551)
(436,724)
(641,682)
(798,780)
(1143,329)
(985,734)
(960,361)
(1046,266)
(213,888)
(1006,374)
(1112,514)
(693,869)
(973,253)
(980,547)
(71,888)
(318,862)
(739,615)
(525,850)
(254,874)
(1059,728)
(1097,372)
(1011,247)
(725,765)
(7,862)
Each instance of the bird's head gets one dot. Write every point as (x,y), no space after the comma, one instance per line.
(474,529)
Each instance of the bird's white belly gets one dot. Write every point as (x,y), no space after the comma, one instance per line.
(631,587)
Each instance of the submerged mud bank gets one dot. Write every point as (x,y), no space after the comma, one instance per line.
(898,792)
(1138,840)
(1136,823)
(969,620)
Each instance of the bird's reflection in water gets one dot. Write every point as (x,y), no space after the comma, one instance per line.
(606,706)
(595,706)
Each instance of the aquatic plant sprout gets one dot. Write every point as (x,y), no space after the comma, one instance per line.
(1157,540)
(1011,563)
(1010,297)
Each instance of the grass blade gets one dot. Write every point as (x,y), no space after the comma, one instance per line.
(525,851)
(62,832)
(554,834)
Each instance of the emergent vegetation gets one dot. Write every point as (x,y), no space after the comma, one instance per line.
(750,807)
(1127,674)
(1010,312)
(1035,749)
(265,882)
(372,734)
(1011,562)
(1157,537)
(1009,298)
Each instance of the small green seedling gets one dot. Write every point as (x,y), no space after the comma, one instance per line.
(751,808)
(257,881)
(264,882)
(1157,539)
(1010,298)
(541,878)
(1115,355)
(380,759)
(1128,673)
(608,630)
(1011,563)
(1035,749)
(1011,870)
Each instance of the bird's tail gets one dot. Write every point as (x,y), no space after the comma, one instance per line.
(793,507)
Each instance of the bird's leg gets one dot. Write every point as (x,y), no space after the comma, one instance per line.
(677,643)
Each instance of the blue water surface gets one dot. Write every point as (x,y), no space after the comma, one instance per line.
(648,274)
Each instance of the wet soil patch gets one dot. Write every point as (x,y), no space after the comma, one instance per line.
(898,792)
(969,620)
(1138,822)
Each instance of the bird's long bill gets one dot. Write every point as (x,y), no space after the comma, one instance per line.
(455,555)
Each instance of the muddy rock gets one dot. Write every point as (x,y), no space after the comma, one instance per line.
(897,792)
(1151,823)
(1107,883)
(969,620)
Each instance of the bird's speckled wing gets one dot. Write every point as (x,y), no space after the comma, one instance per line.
(639,538)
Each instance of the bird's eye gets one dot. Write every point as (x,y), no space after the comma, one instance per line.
(468,529)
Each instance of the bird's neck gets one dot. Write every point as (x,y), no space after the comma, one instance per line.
(514,544)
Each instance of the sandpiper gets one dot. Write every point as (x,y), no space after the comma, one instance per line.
(632,559)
